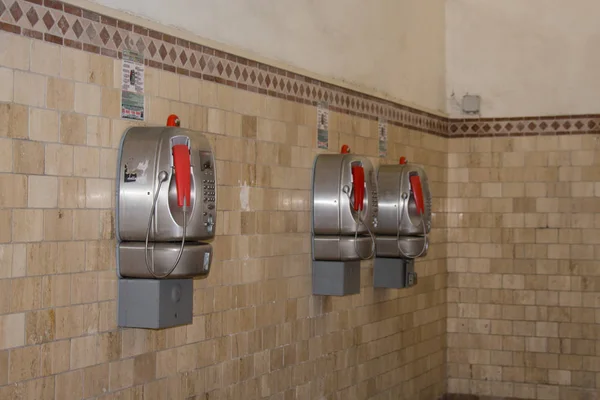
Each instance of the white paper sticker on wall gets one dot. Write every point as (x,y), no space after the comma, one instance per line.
(132,86)
(383,137)
(323,125)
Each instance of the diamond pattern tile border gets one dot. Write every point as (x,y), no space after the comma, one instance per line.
(67,25)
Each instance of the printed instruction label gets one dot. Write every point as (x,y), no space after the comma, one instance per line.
(322,125)
(382,133)
(132,86)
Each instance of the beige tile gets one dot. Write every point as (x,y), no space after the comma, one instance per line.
(15,51)
(87,99)
(189,90)
(6,258)
(86,224)
(98,193)
(40,326)
(28,157)
(169,85)
(86,161)
(84,287)
(41,258)
(26,294)
(75,64)
(13,190)
(30,89)
(6,158)
(95,380)
(14,121)
(98,132)
(55,357)
(69,322)
(45,58)
(58,159)
(58,224)
(69,385)
(19,260)
(27,225)
(83,352)
(144,368)
(60,94)
(108,163)
(56,290)
(121,374)
(71,192)
(24,363)
(6,84)
(151,81)
(215,121)
(43,125)
(5,227)
(4,367)
(109,346)
(43,192)
(12,330)
(73,128)
(101,70)
(111,103)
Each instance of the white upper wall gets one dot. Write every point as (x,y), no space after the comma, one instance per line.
(392,48)
(524,57)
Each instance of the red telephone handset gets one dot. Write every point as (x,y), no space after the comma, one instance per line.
(417,191)
(183,176)
(358,183)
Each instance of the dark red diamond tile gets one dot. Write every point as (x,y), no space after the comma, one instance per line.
(104,36)
(579,124)
(193,60)
(220,68)
(237,72)
(211,65)
(463,127)
(475,127)
(140,45)
(591,124)
(228,70)
(275,82)
(453,128)
(281,84)
(260,78)
(245,74)
(2,8)
(567,125)
(90,31)
(520,126)
(202,62)
(63,25)
(173,54)
(555,125)
(48,20)
(337,99)
(497,127)
(31,15)
(16,11)
(295,87)
(117,39)
(152,48)
(319,94)
(162,51)
(301,90)
(532,126)
(543,125)
(486,127)
(509,126)
(314,92)
(288,86)
(183,57)
(77,28)
(252,76)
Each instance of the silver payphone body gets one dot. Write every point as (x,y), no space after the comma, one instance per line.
(166,214)
(344,200)
(404,223)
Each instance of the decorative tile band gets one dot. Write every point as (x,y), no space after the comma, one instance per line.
(67,25)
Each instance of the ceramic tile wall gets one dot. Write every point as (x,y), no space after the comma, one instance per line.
(523,280)
(257,331)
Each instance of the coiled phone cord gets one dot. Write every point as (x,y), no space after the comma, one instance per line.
(162,177)
(425,242)
(360,221)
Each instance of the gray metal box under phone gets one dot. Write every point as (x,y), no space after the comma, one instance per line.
(154,303)
(336,278)
(394,273)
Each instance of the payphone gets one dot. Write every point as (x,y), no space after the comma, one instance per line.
(344,199)
(404,223)
(166,216)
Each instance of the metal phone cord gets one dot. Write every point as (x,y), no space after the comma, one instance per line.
(162,177)
(360,221)
(425,241)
